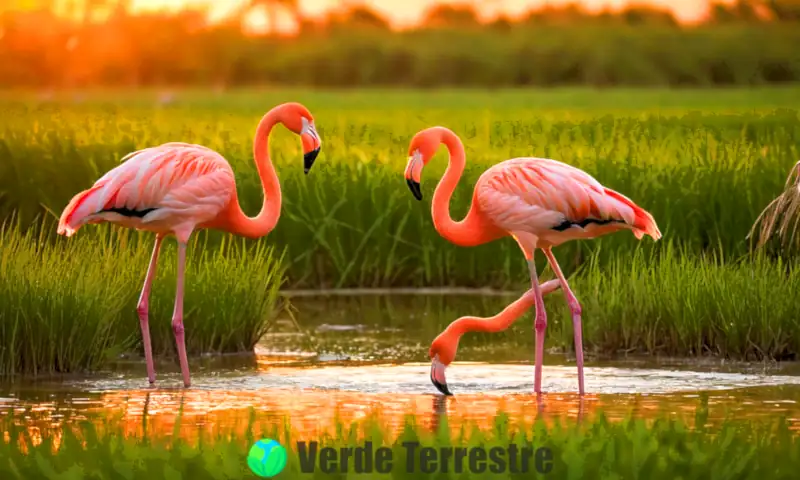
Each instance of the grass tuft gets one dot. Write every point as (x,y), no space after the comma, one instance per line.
(70,305)
(673,303)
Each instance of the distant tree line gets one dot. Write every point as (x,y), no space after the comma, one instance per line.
(86,43)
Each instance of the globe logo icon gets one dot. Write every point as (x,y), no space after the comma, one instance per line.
(266,458)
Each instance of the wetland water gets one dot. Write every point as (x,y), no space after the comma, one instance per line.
(357,357)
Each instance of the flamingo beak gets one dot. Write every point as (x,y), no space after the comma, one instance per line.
(308,159)
(413,173)
(414,187)
(311,144)
(437,376)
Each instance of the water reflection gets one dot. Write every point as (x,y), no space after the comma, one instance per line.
(221,405)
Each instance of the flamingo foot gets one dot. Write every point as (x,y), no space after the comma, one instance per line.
(437,376)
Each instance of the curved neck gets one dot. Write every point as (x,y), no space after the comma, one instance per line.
(263,223)
(474,229)
(497,323)
(504,319)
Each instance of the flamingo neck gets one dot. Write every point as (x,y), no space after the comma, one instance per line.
(446,344)
(263,223)
(497,323)
(474,229)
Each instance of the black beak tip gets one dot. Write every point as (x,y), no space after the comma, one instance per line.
(442,387)
(414,187)
(308,159)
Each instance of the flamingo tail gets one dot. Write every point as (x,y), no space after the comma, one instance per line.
(643,223)
(77,211)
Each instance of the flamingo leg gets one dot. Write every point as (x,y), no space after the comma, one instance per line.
(142,309)
(177,315)
(575,308)
(540,325)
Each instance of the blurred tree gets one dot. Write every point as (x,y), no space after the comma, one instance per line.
(272,9)
(502,23)
(642,14)
(366,17)
(450,16)
(569,13)
(47,49)
(738,11)
(357,16)
(783,10)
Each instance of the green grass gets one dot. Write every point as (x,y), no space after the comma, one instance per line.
(70,305)
(705,164)
(676,304)
(634,448)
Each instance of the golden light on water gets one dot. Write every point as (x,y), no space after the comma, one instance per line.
(311,414)
(313,401)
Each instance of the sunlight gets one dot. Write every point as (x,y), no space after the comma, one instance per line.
(405,13)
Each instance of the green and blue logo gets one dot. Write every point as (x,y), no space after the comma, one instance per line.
(266,458)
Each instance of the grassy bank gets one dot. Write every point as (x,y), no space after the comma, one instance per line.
(664,448)
(704,163)
(70,305)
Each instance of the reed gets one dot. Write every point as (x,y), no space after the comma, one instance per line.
(70,305)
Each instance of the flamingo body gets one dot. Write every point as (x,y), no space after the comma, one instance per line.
(554,202)
(171,188)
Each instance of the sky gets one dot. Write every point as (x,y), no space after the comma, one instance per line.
(404,13)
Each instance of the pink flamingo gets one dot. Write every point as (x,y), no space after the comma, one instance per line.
(177,188)
(541,203)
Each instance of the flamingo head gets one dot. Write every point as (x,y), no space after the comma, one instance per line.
(422,149)
(299,120)
(442,353)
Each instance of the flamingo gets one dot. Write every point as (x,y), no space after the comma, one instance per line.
(177,188)
(540,203)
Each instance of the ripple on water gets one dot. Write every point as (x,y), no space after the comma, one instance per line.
(464,378)
(311,399)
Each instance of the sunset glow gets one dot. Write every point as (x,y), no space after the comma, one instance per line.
(405,13)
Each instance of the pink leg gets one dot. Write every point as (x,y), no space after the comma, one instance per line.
(540,325)
(177,315)
(143,310)
(575,308)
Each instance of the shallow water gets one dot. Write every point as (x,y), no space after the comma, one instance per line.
(344,367)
